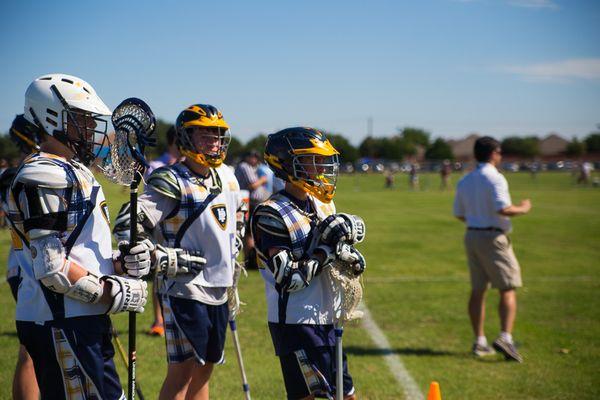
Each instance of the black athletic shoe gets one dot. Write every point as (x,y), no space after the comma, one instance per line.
(508,349)
(482,351)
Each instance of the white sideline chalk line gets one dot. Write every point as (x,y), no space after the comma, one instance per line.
(395,365)
(450,279)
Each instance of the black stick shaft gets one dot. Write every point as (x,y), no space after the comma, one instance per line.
(138,388)
(132,315)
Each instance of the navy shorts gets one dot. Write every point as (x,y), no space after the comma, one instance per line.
(73,358)
(194,330)
(312,371)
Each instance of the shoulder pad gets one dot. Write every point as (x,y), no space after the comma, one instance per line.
(228,177)
(164,182)
(268,220)
(45,174)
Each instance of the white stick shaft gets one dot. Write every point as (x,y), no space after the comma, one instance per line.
(339,364)
(238,353)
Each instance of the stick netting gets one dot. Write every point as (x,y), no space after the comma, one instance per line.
(349,288)
(133,126)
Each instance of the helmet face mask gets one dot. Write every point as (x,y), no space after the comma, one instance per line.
(86,133)
(317,173)
(306,159)
(202,135)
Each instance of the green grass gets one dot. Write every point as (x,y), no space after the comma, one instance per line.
(416,287)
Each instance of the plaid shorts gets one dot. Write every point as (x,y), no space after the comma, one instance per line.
(73,358)
(194,330)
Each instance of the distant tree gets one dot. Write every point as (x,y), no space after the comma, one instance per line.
(439,150)
(592,142)
(415,136)
(575,148)
(257,143)
(523,147)
(369,147)
(348,153)
(8,150)
(235,150)
(161,139)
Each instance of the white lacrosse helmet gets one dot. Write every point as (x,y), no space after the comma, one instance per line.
(55,101)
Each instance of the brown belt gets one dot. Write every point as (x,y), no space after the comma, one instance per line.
(488,228)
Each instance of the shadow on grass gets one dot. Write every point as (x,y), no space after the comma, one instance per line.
(374,351)
(9,333)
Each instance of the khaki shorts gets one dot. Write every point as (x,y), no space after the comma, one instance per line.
(492,260)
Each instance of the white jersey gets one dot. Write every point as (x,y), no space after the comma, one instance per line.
(72,203)
(316,303)
(212,231)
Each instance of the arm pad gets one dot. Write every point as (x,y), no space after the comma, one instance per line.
(52,269)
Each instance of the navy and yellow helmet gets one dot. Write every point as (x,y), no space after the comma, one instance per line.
(24,134)
(204,116)
(305,158)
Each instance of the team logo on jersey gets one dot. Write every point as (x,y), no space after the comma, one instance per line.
(104,209)
(219,211)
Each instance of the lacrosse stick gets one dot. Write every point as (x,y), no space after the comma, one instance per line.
(138,388)
(348,289)
(234,309)
(134,125)
(347,293)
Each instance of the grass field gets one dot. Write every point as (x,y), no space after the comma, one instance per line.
(416,287)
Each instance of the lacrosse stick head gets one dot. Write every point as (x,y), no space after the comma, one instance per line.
(134,124)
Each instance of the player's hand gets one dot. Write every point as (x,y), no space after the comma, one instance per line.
(525,206)
(342,227)
(135,260)
(127,294)
(174,261)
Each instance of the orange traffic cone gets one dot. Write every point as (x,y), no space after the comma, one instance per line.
(434,391)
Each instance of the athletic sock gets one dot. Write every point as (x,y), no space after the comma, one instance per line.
(481,341)
(507,337)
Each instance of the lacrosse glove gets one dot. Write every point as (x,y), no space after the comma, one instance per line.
(135,260)
(342,227)
(128,294)
(172,262)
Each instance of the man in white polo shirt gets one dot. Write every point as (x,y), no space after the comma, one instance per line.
(483,202)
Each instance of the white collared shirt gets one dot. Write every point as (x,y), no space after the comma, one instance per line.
(480,195)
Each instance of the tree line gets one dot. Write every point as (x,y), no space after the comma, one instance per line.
(404,143)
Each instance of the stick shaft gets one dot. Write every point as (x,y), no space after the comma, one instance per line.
(121,350)
(238,353)
(132,315)
(339,363)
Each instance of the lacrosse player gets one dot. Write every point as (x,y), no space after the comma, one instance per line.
(192,208)
(70,275)
(297,236)
(24,135)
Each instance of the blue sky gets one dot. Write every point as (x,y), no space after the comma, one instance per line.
(498,67)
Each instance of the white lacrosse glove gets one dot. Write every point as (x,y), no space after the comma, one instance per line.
(135,261)
(342,227)
(238,245)
(172,262)
(352,257)
(128,294)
